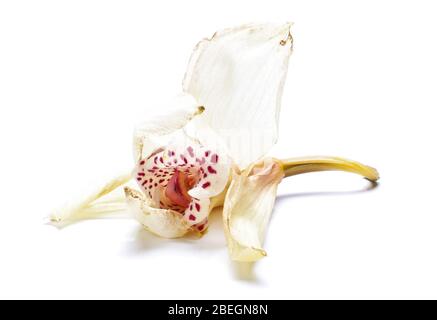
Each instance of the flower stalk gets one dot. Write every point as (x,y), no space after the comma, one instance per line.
(295,166)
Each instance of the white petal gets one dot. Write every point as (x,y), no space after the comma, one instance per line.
(162,222)
(238,76)
(94,204)
(153,132)
(247,209)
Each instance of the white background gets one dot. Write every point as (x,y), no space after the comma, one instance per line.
(75,76)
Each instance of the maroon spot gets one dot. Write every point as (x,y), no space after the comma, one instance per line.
(150,187)
(205,175)
(211,169)
(161,160)
(161,181)
(192,217)
(191,207)
(139,179)
(206,185)
(144,183)
(184,159)
(154,160)
(150,180)
(142,174)
(155,184)
(197,206)
(201,227)
(214,158)
(207,153)
(190,151)
(142,162)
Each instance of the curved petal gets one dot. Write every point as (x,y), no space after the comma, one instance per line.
(238,75)
(247,209)
(162,222)
(151,134)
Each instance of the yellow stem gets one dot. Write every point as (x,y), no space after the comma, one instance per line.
(294,166)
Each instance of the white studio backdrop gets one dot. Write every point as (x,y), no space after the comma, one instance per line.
(75,77)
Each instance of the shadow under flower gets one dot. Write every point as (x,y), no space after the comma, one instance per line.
(370,186)
(214,239)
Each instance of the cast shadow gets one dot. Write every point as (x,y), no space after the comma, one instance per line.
(144,242)
(372,185)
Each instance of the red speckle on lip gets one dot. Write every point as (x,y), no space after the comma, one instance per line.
(207,153)
(206,185)
(214,158)
(211,170)
(197,206)
(161,160)
(142,174)
(190,151)
(192,217)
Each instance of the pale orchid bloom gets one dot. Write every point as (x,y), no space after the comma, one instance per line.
(237,76)
(209,151)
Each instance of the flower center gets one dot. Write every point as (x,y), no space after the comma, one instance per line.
(183,179)
(175,194)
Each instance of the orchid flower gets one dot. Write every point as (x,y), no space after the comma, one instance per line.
(210,150)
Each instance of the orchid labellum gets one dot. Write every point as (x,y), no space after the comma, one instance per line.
(209,151)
